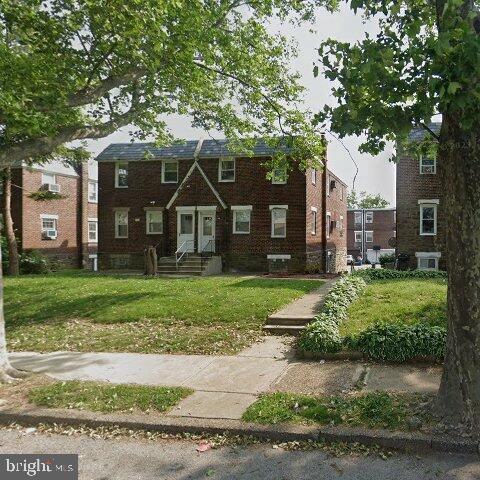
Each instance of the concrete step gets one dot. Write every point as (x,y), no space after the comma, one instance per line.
(180,273)
(281,320)
(283,329)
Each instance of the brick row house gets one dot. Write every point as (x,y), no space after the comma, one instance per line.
(371,232)
(64,228)
(420,217)
(197,198)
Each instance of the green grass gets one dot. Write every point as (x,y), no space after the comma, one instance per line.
(398,301)
(372,410)
(77,311)
(103,397)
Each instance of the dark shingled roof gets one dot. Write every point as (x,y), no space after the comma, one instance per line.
(418,133)
(142,151)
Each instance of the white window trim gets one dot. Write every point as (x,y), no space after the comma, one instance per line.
(115,211)
(314,176)
(368,232)
(240,208)
(314,224)
(366,216)
(272,229)
(328,221)
(278,256)
(355,217)
(93,182)
(47,216)
(434,166)
(428,255)
(49,173)
(428,205)
(220,161)
(164,162)
(93,220)
(283,182)
(117,165)
(435,201)
(355,236)
(149,210)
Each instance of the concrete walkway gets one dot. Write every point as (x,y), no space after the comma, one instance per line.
(224,385)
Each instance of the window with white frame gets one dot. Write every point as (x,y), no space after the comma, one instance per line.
(340,224)
(241,219)
(154,220)
(328,185)
(369,237)
(121,175)
(427,260)
(121,224)
(358,218)
(314,176)
(314,221)
(328,225)
(358,237)
(279,221)
(92,230)
(93,191)
(368,217)
(279,176)
(226,170)
(170,171)
(49,178)
(49,226)
(428,166)
(428,219)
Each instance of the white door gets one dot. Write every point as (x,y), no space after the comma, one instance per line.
(186,231)
(206,231)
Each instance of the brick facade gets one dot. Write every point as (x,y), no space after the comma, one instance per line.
(412,187)
(72,247)
(255,251)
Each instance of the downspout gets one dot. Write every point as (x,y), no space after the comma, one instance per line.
(324,217)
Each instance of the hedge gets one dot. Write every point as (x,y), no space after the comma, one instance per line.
(399,343)
(371,274)
(323,335)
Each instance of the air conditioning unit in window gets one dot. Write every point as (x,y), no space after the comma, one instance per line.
(49,234)
(333,184)
(52,187)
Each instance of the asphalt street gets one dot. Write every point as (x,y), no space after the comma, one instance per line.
(124,458)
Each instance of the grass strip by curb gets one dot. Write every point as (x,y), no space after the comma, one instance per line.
(104,397)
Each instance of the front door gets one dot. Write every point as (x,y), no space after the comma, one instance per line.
(186,231)
(206,232)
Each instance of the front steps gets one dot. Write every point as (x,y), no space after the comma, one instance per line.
(190,265)
(281,325)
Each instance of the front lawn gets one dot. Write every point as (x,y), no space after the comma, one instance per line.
(104,397)
(403,301)
(78,311)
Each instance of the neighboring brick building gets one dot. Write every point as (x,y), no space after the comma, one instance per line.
(63,228)
(420,218)
(196,197)
(371,232)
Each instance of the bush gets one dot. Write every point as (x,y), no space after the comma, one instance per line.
(386,258)
(387,274)
(32,261)
(322,335)
(398,343)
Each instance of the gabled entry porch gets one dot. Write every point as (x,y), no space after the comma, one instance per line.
(196,229)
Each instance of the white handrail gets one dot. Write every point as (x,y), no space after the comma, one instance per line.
(179,249)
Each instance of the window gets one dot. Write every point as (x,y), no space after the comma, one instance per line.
(428,166)
(92,230)
(49,226)
(241,219)
(92,192)
(368,217)
(427,260)
(279,221)
(121,175)
(358,218)
(48,178)
(428,219)
(279,176)
(358,237)
(314,176)
(369,237)
(314,221)
(226,170)
(170,172)
(154,219)
(340,224)
(328,225)
(328,185)
(121,224)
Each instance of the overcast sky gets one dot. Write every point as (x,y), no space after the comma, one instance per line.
(376,174)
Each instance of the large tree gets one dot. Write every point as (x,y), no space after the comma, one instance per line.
(365,200)
(81,69)
(425,60)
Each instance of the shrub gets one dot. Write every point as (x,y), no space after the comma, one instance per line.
(387,274)
(32,261)
(322,335)
(386,258)
(398,343)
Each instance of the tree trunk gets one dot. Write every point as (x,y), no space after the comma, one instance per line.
(7,372)
(459,167)
(13,260)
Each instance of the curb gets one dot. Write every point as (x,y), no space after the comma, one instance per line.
(407,442)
